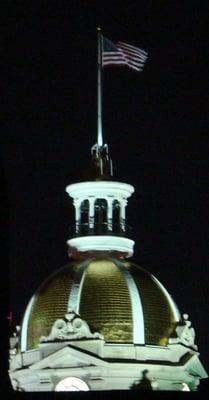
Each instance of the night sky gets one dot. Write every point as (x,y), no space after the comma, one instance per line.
(156,124)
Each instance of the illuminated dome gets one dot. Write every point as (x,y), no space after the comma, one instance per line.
(117,299)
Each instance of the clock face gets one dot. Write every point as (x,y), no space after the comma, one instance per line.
(71,384)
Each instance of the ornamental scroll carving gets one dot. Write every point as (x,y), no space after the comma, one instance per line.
(185,333)
(70,327)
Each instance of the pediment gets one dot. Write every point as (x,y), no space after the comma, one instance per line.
(68,357)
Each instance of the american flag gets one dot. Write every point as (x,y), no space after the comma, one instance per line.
(122,54)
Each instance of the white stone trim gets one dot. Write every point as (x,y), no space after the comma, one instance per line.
(169,298)
(24,330)
(100,189)
(102,243)
(75,293)
(73,360)
(136,305)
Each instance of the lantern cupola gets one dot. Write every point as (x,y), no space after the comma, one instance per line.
(100,211)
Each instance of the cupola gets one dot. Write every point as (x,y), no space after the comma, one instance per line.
(100,211)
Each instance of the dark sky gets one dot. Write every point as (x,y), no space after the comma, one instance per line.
(156,124)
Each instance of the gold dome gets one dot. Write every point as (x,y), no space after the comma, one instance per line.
(106,300)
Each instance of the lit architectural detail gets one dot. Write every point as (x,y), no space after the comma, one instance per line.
(100,207)
(185,387)
(102,322)
(71,384)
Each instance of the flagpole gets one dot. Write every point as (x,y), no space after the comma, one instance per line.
(99,88)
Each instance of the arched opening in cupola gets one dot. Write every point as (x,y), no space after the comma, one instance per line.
(100,216)
(116,215)
(84,215)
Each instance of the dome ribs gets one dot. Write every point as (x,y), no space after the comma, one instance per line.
(159,318)
(50,304)
(105,302)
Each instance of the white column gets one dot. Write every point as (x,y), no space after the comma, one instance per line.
(91,212)
(77,205)
(123,203)
(109,213)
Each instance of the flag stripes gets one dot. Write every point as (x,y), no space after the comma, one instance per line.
(123,54)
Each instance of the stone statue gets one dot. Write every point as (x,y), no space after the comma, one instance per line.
(14,340)
(185,333)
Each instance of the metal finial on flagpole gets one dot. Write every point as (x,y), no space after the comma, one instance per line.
(99,88)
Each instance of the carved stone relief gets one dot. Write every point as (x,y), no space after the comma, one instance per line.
(70,327)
